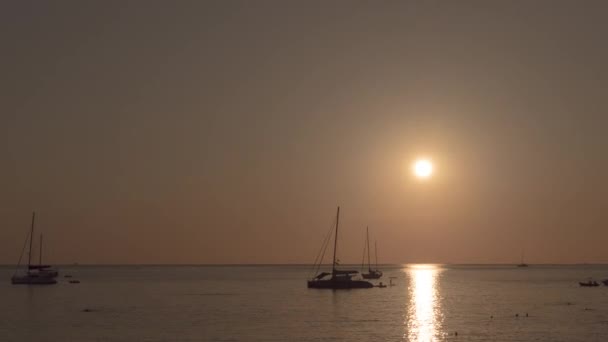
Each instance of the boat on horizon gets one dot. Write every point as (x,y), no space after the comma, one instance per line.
(522,263)
(35,274)
(371,274)
(589,283)
(337,279)
(46,270)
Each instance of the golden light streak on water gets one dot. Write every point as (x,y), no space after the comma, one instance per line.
(424,313)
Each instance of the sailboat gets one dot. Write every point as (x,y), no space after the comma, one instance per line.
(371,274)
(337,279)
(43,269)
(35,274)
(522,263)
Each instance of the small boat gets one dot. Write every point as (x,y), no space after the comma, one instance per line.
(74,281)
(589,283)
(337,279)
(522,263)
(371,274)
(605,281)
(380,285)
(35,274)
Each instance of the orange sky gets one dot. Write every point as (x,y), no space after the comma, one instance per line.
(228,132)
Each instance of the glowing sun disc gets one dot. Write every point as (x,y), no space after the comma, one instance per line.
(423,168)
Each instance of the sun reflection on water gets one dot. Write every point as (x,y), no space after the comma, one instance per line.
(424,316)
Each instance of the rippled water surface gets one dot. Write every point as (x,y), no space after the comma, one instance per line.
(272,303)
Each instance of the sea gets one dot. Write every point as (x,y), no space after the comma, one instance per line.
(273,303)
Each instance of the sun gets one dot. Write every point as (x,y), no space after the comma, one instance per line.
(423,168)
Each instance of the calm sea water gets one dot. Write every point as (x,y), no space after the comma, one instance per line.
(272,303)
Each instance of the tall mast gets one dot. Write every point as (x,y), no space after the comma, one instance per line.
(336,239)
(376,252)
(29,257)
(369,262)
(40,254)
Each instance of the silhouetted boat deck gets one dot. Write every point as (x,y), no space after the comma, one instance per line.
(338,279)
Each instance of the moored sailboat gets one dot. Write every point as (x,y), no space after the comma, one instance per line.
(337,279)
(46,270)
(35,274)
(371,274)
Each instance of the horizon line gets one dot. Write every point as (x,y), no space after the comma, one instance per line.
(326,264)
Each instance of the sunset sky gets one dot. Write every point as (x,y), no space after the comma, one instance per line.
(229,131)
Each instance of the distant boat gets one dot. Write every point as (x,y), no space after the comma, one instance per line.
(589,283)
(371,274)
(35,274)
(522,263)
(337,279)
(605,281)
(46,270)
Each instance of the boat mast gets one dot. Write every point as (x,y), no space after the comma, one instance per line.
(376,252)
(29,257)
(369,262)
(40,254)
(336,240)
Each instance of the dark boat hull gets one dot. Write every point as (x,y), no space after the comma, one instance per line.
(589,284)
(28,280)
(51,273)
(339,284)
(372,275)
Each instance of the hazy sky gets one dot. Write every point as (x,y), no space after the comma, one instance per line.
(229,131)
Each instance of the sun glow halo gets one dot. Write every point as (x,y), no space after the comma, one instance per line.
(423,168)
